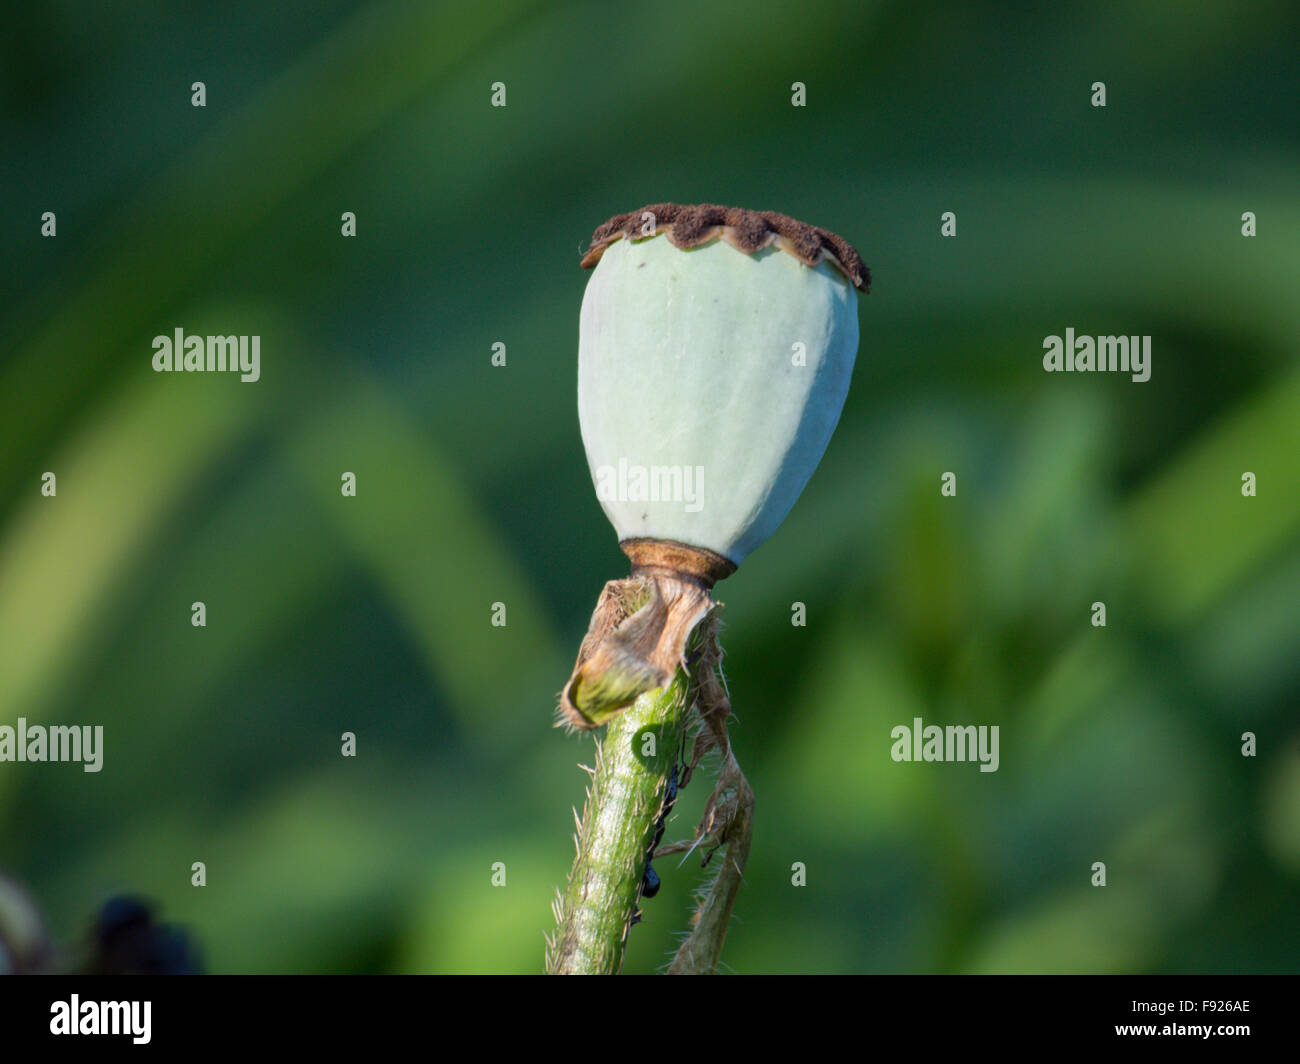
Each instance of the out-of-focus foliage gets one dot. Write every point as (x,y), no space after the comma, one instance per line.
(372,615)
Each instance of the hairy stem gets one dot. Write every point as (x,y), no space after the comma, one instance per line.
(626,799)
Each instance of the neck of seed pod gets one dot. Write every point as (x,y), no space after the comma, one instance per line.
(678,561)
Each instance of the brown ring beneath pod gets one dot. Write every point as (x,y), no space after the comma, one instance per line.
(698,565)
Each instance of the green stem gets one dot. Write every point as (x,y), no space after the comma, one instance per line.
(629,785)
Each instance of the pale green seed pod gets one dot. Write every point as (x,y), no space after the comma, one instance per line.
(715,351)
(714,360)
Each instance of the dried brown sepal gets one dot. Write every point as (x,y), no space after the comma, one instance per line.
(638,633)
(635,643)
(689,226)
(727,821)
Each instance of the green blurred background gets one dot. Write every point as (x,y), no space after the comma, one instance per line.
(372,614)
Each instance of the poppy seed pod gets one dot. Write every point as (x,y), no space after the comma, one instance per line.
(715,350)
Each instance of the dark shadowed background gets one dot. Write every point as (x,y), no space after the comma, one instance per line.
(372,614)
